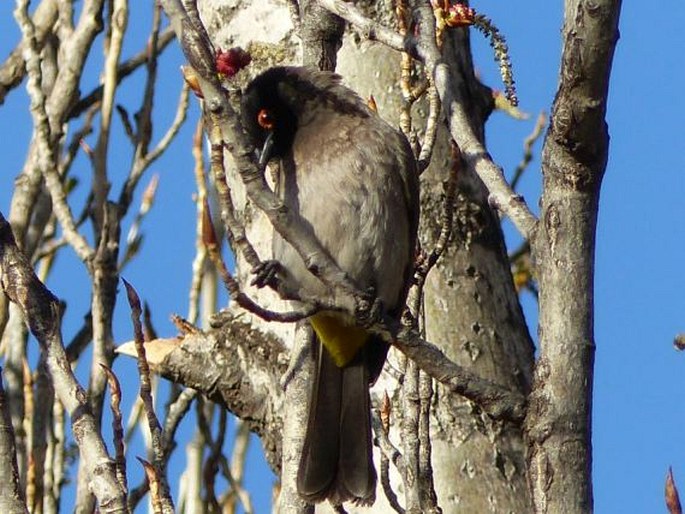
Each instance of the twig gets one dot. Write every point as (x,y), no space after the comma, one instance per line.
(409,430)
(156,487)
(41,423)
(429,499)
(369,28)
(235,231)
(117,428)
(232,285)
(175,414)
(116,27)
(211,465)
(123,70)
(146,396)
(431,130)
(528,149)
(133,238)
(13,69)
(388,450)
(172,131)
(198,266)
(235,473)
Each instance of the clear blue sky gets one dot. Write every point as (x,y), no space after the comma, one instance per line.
(638,411)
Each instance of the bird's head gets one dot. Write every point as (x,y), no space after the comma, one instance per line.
(282,99)
(268,114)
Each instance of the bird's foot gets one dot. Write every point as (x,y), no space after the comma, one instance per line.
(266,274)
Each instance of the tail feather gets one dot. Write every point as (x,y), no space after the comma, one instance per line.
(356,473)
(336,462)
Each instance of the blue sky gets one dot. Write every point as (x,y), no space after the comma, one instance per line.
(638,413)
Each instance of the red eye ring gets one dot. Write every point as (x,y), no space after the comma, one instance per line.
(265,120)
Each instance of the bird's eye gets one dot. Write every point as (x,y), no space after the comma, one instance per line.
(265,119)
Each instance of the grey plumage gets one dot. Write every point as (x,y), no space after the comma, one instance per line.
(352,178)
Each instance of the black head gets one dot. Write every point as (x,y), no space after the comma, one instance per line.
(267,114)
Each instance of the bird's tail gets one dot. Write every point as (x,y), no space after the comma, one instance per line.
(337,461)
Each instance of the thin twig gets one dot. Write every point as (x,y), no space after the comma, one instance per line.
(146,396)
(409,430)
(369,28)
(117,428)
(200,258)
(12,494)
(528,149)
(123,70)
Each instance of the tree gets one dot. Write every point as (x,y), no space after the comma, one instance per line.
(466,397)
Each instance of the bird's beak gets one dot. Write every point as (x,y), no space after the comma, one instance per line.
(265,155)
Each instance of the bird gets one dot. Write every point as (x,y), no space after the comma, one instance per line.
(352,179)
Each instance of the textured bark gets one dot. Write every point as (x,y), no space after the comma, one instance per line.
(574,158)
(240,368)
(11,498)
(472,309)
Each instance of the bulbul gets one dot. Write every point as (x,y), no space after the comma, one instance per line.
(352,178)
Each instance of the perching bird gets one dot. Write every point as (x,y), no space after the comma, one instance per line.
(352,178)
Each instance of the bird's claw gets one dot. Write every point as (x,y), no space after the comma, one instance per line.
(266,274)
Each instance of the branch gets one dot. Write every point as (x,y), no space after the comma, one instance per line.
(474,154)
(13,70)
(123,70)
(164,496)
(574,158)
(238,367)
(11,497)
(42,312)
(43,135)
(369,28)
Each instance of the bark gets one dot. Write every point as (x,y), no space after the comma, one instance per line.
(574,159)
(12,500)
(472,309)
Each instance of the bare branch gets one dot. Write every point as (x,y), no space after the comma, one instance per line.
(369,28)
(474,154)
(117,427)
(163,496)
(574,158)
(42,312)
(11,497)
(43,135)
(13,69)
